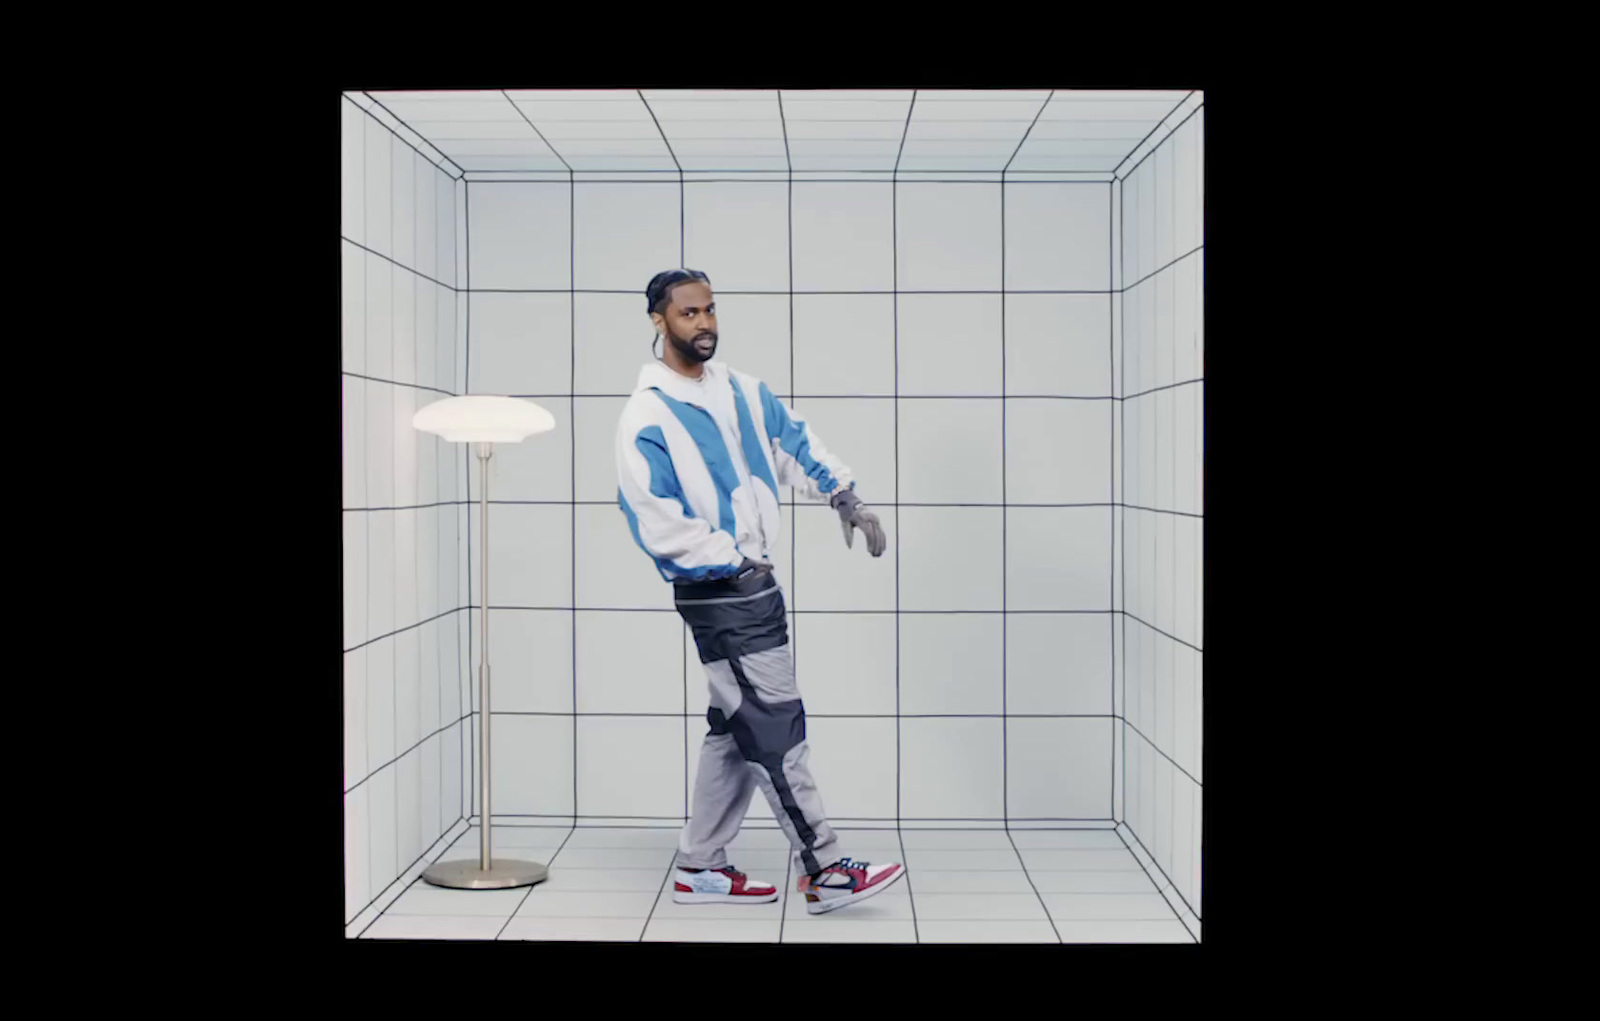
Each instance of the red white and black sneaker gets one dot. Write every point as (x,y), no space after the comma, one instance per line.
(726,885)
(847,881)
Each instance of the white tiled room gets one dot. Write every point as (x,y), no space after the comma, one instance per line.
(989,304)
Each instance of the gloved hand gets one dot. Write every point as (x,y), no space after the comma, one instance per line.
(854,514)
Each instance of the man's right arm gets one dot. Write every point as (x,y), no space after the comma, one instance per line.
(662,522)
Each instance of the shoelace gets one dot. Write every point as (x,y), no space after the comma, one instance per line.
(839,867)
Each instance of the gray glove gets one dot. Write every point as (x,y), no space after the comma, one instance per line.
(854,514)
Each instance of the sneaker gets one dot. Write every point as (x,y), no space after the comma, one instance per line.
(847,881)
(726,885)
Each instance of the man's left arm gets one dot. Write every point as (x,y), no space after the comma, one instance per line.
(805,463)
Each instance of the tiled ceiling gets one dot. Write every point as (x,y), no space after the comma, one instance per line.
(1037,131)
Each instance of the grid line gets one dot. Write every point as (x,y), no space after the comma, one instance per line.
(659,890)
(372,772)
(895,180)
(1158,631)
(458,343)
(394,453)
(827,716)
(366,580)
(994,292)
(1150,350)
(894,250)
(1005,644)
(794,531)
(1199,468)
(415,441)
(553,857)
(986,171)
(840,818)
(1162,752)
(396,262)
(774,294)
(1111,382)
(1048,914)
(379,121)
(1153,860)
(654,822)
(1159,888)
(1157,272)
(536,131)
(916,931)
(379,896)
(682,202)
(438,575)
(400,120)
(572,434)
(1169,135)
(903,397)
(1013,159)
(810,508)
(864,613)
(1169,386)
(783,123)
(683,627)
(1148,136)
(471,745)
(1172,470)
(683,659)
(366,541)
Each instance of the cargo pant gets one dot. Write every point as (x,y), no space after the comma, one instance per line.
(758,725)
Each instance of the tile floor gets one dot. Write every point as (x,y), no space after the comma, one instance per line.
(962,886)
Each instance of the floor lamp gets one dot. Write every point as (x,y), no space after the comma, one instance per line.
(484,421)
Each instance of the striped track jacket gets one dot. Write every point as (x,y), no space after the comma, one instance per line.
(699,464)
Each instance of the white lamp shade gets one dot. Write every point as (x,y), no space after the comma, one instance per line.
(483,419)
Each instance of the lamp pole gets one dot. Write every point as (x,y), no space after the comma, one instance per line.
(485,873)
(485,451)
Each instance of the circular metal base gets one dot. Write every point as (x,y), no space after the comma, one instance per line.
(503,874)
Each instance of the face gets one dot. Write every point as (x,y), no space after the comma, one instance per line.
(690,322)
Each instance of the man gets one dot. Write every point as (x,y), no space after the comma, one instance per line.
(701,451)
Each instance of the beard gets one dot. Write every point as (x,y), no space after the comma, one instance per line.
(691,349)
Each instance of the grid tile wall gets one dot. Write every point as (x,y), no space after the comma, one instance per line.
(404,649)
(966,675)
(1160,550)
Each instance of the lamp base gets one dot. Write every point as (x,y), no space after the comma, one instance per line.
(503,874)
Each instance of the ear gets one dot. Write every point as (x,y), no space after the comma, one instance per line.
(660,322)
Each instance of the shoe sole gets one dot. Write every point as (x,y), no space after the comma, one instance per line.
(724,898)
(824,906)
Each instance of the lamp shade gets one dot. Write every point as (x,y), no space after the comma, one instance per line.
(483,419)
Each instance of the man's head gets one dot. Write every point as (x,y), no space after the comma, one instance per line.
(685,313)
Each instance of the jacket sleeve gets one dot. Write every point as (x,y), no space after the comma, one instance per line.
(797,452)
(659,515)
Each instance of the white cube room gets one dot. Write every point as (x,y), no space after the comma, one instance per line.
(989,304)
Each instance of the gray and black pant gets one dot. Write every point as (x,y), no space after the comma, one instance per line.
(758,724)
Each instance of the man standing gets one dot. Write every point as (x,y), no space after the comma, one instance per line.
(701,451)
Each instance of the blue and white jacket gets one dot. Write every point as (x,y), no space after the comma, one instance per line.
(699,463)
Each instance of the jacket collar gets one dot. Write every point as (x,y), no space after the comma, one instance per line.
(656,375)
